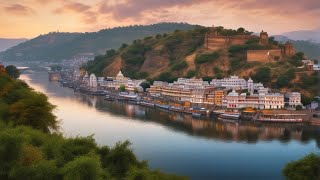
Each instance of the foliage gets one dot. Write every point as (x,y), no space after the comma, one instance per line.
(263,75)
(204,58)
(285,78)
(122,88)
(24,106)
(179,66)
(191,74)
(166,76)
(12,71)
(217,71)
(145,85)
(296,60)
(32,152)
(26,153)
(306,168)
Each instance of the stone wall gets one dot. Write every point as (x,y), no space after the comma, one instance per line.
(263,55)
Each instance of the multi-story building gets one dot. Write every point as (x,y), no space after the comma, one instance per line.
(93,81)
(259,101)
(293,99)
(234,82)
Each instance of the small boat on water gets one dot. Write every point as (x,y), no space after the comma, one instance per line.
(109,98)
(177,108)
(282,118)
(162,106)
(98,93)
(229,116)
(146,103)
(128,96)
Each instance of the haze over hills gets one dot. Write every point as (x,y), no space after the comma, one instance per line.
(56,46)
(6,43)
(305,35)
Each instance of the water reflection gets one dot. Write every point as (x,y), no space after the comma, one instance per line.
(245,131)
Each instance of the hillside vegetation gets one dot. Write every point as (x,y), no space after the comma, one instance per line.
(31,146)
(182,54)
(56,46)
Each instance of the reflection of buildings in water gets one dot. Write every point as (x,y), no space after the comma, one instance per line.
(198,124)
(139,112)
(93,101)
(129,108)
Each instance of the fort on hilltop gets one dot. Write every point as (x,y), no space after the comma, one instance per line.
(214,41)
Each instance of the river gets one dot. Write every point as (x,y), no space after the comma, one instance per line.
(177,143)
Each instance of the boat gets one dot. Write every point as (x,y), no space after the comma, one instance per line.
(229,116)
(282,118)
(177,108)
(194,114)
(98,93)
(128,96)
(162,106)
(145,103)
(108,98)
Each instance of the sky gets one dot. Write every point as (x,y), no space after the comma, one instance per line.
(30,18)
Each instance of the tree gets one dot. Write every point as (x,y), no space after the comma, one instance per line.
(145,85)
(305,168)
(12,71)
(241,30)
(122,88)
(263,75)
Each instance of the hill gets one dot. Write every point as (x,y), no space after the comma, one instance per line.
(305,35)
(311,49)
(56,46)
(8,43)
(184,54)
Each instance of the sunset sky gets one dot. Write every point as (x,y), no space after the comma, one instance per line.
(29,18)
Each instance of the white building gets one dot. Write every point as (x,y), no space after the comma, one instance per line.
(93,81)
(234,82)
(294,99)
(259,101)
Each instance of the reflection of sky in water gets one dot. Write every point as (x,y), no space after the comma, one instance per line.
(176,143)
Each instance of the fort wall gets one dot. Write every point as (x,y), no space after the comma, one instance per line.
(263,55)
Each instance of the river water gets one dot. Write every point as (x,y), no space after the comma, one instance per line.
(177,143)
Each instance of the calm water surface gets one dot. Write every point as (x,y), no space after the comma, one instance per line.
(177,143)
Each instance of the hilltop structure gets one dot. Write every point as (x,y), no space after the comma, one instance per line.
(214,41)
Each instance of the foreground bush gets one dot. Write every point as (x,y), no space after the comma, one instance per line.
(305,168)
(26,153)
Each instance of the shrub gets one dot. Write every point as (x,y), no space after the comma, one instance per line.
(179,66)
(263,75)
(191,74)
(204,58)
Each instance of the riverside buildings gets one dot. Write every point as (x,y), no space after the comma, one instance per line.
(242,93)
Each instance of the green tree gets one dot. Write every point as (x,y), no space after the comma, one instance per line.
(306,168)
(263,75)
(122,88)
(12,71)
(145,85)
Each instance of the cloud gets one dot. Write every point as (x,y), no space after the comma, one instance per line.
(18,9)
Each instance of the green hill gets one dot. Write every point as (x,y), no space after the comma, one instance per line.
(56,46)
(182,54)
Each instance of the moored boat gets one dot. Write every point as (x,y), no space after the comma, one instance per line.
(145,103)
(229,116)
(163,106)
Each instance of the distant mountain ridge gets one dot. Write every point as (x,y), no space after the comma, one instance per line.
(305,35)
(6,43)
(311,49)
(56,46)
